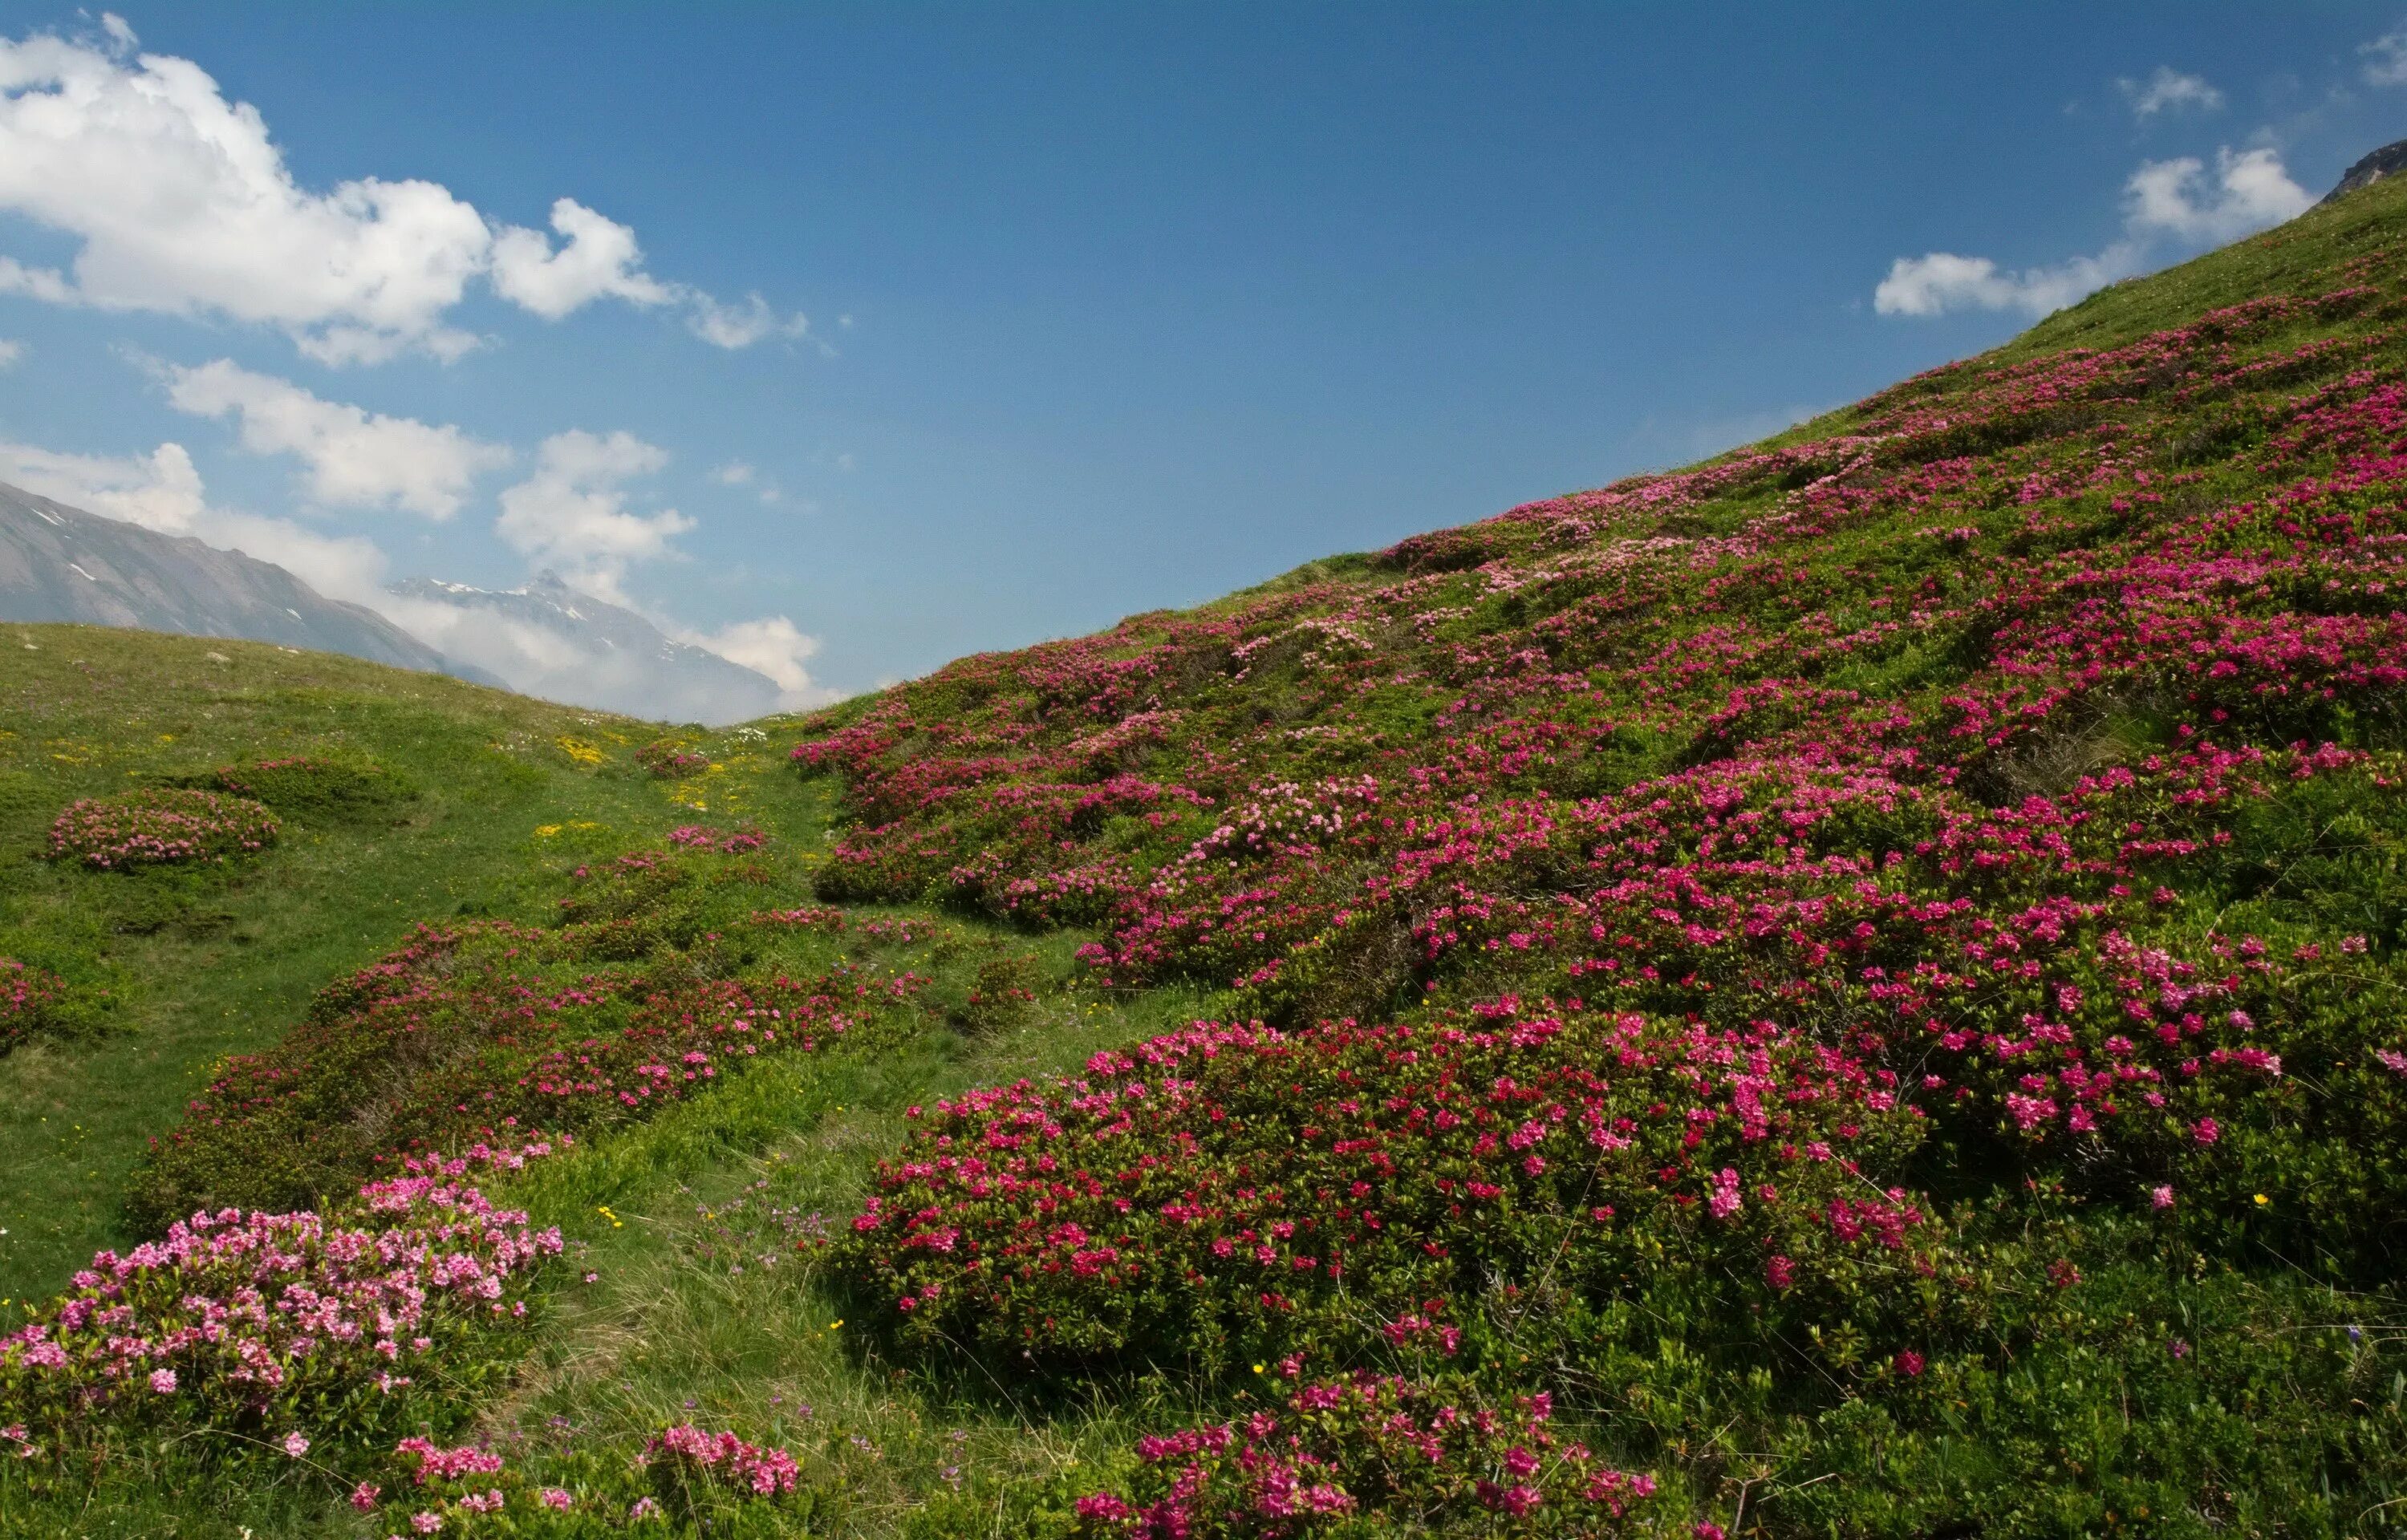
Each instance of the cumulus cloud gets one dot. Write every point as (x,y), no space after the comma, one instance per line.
(775,646)
(597,257)
(161,490)
(180,203)
(2170,91)
(1937,282)
(350,457)
(10,351)
(2249,191)
(2165,203)
(572,513)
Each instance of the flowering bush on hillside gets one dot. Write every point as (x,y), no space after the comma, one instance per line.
(1365,1444)
(160,825)
(276,1325)
(681,1480)
(669,760)
(29,996)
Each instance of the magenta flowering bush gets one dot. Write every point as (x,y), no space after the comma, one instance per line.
(29,998)
(703,837)
(682,1456)
(261,1325)
(1351,1193)
(160,825)
(669,760)
(683,1480)
(1361,1454)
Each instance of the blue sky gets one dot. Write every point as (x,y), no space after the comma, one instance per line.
(1063,312)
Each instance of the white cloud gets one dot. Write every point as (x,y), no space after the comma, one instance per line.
(180,203)
(737,473)
(352,458)
(2251,191)
(598,256)
(2164,202)
(2168,90)
(2385,58)
(734,325)
(10,352)
(775,646)
(1937,282)
(572,513)
(161,490)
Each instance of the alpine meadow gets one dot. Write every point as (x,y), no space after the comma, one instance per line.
(1855,989)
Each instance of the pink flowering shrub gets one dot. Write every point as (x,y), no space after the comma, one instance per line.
(262,1324)
(1353,1192)
(1346,1449)
(682,1457)
(159,825)
(669,760)
(30,998)
(703,837)
(682,1481)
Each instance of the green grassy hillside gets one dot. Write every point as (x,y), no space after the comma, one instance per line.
(1855,989)
(175,968)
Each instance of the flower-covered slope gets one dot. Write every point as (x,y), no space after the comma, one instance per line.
(1736,945)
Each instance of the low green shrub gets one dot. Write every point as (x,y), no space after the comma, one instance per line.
(319,790)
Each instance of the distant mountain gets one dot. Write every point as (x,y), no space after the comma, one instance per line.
(553,641)
(58,563)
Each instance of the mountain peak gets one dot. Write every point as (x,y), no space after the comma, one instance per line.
(558,642)
(62,563)
(2391,158)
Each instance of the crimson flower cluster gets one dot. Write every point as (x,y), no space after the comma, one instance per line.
(1367,1444)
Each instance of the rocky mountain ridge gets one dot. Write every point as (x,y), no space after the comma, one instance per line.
(61,563)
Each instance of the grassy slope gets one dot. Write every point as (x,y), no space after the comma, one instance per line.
(216,968)
(227,966)
(711,1186)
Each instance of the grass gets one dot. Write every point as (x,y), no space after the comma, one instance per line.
(201,967)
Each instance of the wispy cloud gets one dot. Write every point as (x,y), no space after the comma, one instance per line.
(2169,90)
(571,514)
(2385,58)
